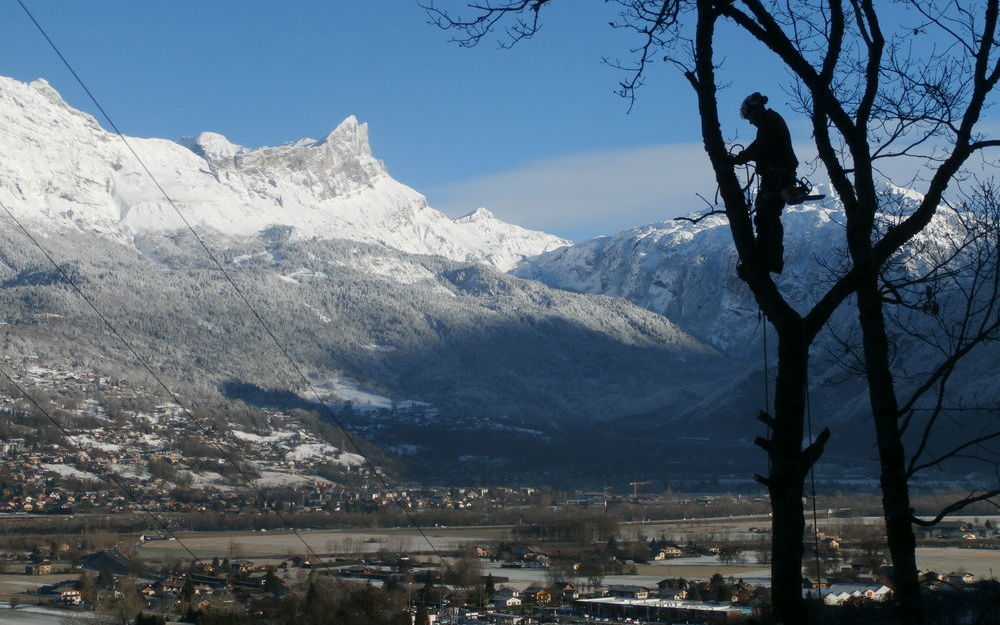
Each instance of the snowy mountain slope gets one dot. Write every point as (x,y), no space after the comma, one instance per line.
(375,294)
(461,358)
(72,173)
(686,272)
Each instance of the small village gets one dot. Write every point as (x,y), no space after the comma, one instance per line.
(170,462)
(506,582)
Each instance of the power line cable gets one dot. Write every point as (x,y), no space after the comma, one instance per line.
(242,296)
(135,354)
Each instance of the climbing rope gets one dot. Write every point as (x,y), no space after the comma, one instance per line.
(809,425)
(812,484)
(761,319)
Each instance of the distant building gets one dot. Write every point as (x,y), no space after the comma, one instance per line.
(662,609)
(38,568)
(537,594)
(505,598)
(70,596)
(837,594)
(628,591)
(11,446)
(668,551)
(111,559)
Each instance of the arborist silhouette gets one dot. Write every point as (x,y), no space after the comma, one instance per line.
(775,161)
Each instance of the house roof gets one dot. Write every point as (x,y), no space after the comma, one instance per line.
(110,559)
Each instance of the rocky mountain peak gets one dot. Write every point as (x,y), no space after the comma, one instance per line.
(72,173)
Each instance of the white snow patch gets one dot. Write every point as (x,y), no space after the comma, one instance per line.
(348,390)
(89,442)
(69,471)
(152,441)
(273,437)
(327,452)
(305,272)
(208,479)
(412,403)
(319,315)
(278,478)
(131,470)
(397,270)
(406,449)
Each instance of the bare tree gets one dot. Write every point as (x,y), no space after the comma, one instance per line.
(870,98)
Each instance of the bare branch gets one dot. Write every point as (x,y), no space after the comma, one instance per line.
(485,18)
(955,507)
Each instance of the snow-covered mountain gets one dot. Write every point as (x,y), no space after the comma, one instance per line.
(376,295)
(686,271)
(379,299)
(70,172)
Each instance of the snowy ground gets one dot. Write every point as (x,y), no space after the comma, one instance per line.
(69,471)
(30,615)
(327,452)
(277,478)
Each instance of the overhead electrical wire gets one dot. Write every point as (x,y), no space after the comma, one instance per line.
(241,295)
(142,361)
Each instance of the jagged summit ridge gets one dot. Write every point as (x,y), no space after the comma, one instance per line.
(333,167)
(71,173)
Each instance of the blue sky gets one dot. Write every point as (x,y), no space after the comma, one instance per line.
(534,133)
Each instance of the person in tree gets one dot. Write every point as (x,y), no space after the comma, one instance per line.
(771,152)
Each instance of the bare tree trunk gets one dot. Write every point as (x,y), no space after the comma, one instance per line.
(788,463)
(895,489)
(786,478)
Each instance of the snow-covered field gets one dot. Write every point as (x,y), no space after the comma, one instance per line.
(327,452)
(29,615)
(69,471)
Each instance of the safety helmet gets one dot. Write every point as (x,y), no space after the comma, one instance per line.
(753,105)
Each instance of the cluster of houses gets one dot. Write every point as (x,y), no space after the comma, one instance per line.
(840,593)
(668,601)
(963,530)
(207,584)
(232,584)
(59,478)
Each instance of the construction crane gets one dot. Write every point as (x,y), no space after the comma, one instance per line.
(635,489)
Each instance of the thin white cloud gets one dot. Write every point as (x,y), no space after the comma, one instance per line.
(590,194)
